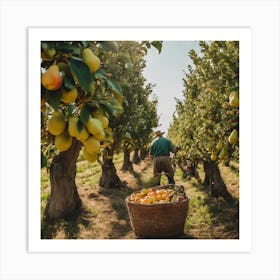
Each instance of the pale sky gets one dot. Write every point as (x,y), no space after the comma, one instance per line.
(166,71)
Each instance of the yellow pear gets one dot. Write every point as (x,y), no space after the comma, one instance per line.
(74,131)
(52,78)
(104,120)
(73,126)
(63,142)
(219,145)
(83,134)
(69,96)
(223,155)
(94,126)
(232,139)
(91,60)
(89,157)
(92,145)
(100,136)
(213,156)
(56,124)
(234,100)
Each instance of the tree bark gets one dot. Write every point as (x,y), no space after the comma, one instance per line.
(143,153)
(136,159)
(215,181)
(64,199)
(127,164)
(206,181)
(109,177)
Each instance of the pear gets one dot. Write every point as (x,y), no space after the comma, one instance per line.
(52,78)
(73,126)
(234,100)
(91,60)
(223,155)
(83,134)
(94,126)
(219,145)
(92,145)
(213,156)
(74,131)
(69,96)
(104,120)
(100,136)
(63,142)
(89,157)
(232,139)
(56,124)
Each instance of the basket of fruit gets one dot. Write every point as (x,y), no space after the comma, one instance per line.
(158,212)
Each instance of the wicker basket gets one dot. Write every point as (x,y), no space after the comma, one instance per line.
(158,220)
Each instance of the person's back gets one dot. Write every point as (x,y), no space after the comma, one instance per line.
(161,147)
(160,150)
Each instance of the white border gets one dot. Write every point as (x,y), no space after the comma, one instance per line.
(36,35)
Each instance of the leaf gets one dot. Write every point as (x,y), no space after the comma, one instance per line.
(157,45)
(79,125)
(84,114)
(113,85)
(44,161)
(67,47)
(85,44)
(128,65)
(109,46)
(82,72)
(71,109)
(68,82)
(53,99)
(100,73)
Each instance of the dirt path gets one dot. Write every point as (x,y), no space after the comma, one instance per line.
(104,214)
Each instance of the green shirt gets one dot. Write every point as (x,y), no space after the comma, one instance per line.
(161,146)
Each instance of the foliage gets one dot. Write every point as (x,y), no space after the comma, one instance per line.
(82,79)
(206,117)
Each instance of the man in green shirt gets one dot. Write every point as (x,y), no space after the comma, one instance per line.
(160,151)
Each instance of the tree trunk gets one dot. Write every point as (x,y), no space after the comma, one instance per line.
(64,199)
(143,153)
(127,164)
(109,177)
(136,159)
(215,181)
(206,181)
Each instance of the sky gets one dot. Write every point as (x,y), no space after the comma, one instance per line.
(166,71)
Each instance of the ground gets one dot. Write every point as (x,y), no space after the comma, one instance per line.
(104,214)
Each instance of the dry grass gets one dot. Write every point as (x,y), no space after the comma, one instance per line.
(104,214)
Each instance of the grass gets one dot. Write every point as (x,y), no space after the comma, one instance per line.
(104,214)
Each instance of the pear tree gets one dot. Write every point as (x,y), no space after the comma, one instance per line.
(206,121)
(77,100)
(126,66)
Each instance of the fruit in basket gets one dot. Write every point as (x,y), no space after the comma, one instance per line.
(172,194)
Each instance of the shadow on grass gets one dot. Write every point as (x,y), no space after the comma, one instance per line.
(69,225)
(117,197)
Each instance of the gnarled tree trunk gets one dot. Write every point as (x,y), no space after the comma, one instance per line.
(136,159)
(109,177)
(127,164)
(215,181)
(64,199)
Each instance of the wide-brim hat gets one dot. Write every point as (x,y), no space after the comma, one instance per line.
(158,133)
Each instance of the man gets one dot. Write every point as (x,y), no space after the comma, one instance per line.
(160,151)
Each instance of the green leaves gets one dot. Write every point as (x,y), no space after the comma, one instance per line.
(81,72)
(157,45)
(205,117)
(113,85)
(84,114)
(109,46)
(54,99)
